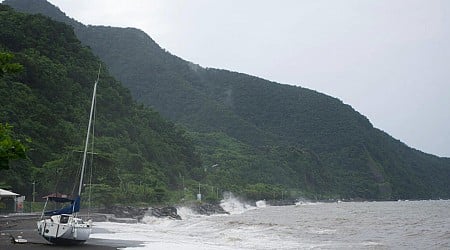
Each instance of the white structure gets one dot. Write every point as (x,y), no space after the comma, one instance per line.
(8,194)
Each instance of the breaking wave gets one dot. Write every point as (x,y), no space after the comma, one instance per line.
(236,205)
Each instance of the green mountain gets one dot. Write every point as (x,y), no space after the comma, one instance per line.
(137,151)
(265,136)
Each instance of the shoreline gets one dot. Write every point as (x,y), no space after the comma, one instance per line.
(23,227)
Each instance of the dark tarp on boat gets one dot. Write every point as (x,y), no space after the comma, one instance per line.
(72,208)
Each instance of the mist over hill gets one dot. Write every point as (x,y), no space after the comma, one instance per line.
(265,136)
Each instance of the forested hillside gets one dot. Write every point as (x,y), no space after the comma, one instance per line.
(139,155)
(265,136)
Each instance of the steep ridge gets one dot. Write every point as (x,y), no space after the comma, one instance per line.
(139,154)
(302,138)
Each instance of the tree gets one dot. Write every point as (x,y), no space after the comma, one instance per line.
(6,66)
(10,148)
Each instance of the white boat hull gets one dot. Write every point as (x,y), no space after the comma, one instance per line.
(64,230)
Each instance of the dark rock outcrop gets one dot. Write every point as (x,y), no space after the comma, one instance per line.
(207,208)
(160,212)
(126,212)
(285,202)
(134,214)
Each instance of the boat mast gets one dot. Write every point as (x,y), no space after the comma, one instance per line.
(88,132)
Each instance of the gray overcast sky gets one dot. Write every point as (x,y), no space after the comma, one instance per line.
(389,59)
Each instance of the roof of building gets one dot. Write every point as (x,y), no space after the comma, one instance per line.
(4,193)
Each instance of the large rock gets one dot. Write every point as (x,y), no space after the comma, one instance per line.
(170,212)
(126,212)
(285,202)
(207,208)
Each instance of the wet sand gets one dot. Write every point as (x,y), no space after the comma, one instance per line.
(24,226)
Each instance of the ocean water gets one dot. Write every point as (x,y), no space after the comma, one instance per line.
(340,225)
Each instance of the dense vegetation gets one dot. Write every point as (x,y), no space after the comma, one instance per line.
(11,148)
(137,151)
(265,137)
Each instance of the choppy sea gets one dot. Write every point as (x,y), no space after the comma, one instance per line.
(306,225)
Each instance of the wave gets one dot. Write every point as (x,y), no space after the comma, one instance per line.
(231,204)
(237,205)
(187,213)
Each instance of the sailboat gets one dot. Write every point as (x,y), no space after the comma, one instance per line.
(63,226)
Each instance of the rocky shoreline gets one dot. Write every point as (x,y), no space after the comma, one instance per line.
(130,214)
(23,226)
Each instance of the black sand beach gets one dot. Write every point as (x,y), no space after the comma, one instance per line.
(24,226)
